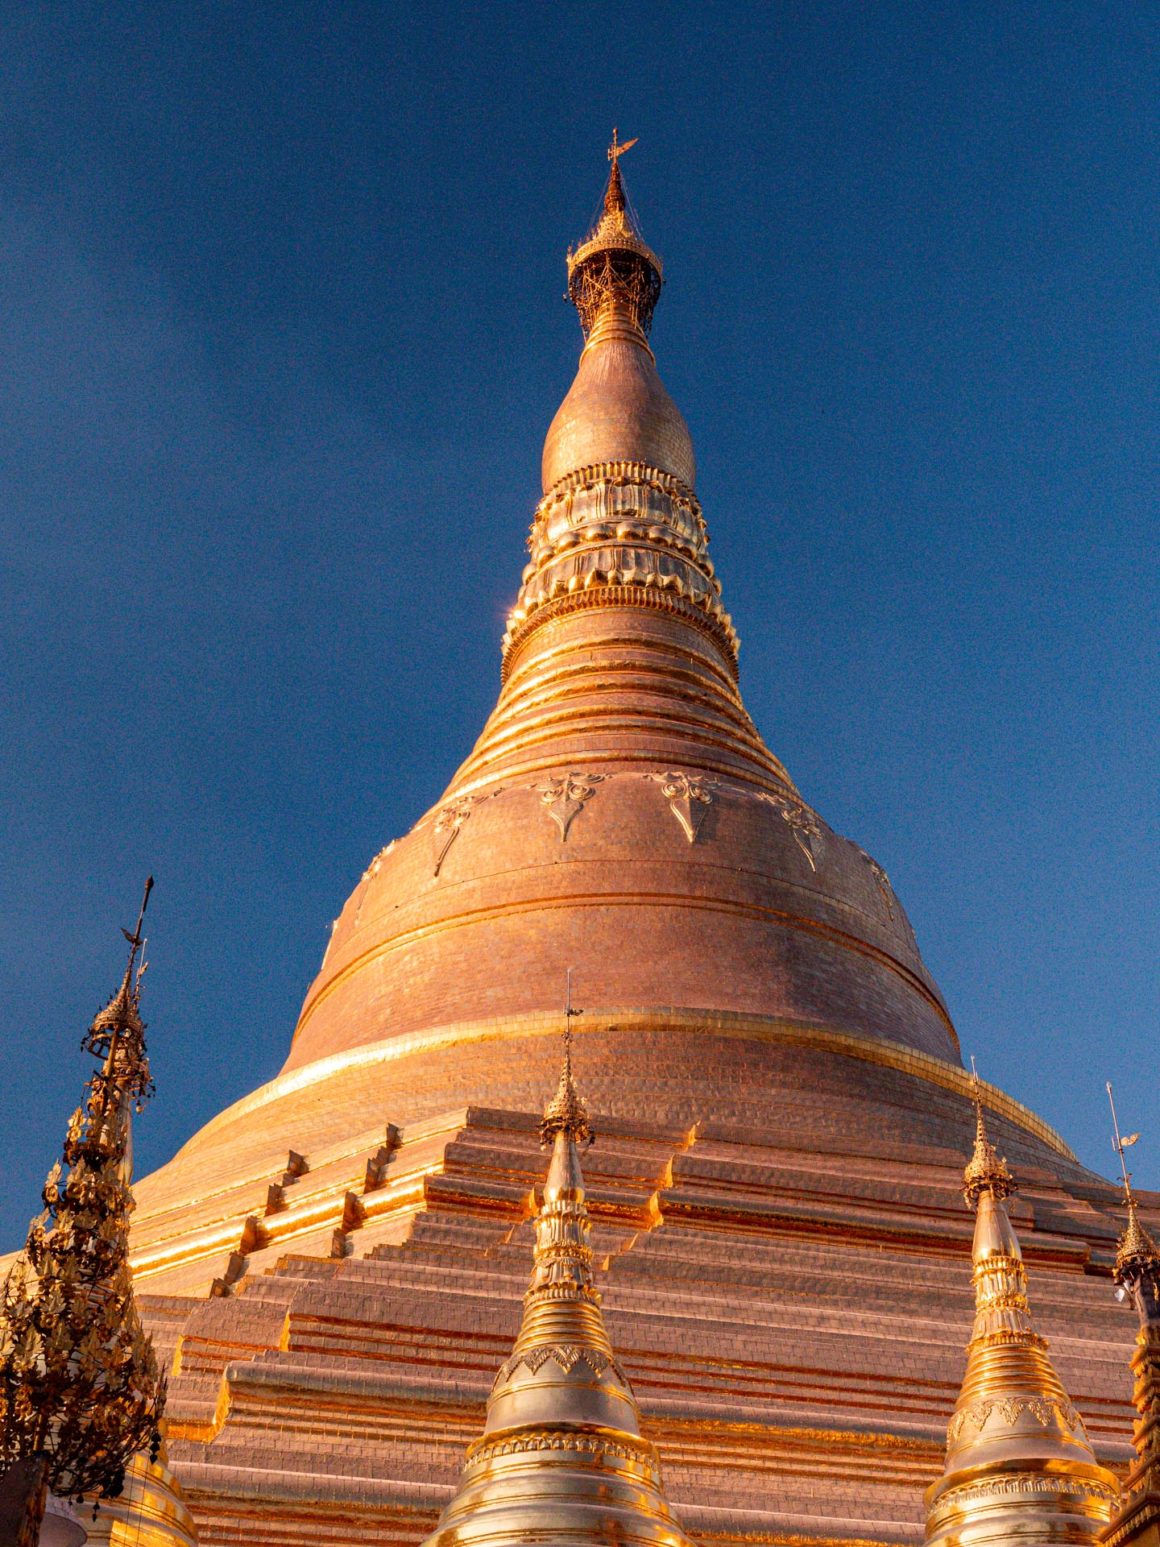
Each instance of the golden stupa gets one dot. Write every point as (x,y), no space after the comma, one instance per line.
(1019,1465)
(561,1457)
(333,1266)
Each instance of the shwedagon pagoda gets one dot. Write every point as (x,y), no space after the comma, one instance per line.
(750,1297)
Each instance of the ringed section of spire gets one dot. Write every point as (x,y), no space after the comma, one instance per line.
(610,534)
(619,645)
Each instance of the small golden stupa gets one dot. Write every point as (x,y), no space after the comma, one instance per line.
(1137,1277)
(561,1457)
(1019,1465)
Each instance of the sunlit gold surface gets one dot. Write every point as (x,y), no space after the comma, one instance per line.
(149,1513)
(561,1457)
(685,868)
(334,1266)
(1019,1465)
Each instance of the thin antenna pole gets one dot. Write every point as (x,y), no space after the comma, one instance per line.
(1118,1144)
(135,939)
(569,1014)
(976,1093)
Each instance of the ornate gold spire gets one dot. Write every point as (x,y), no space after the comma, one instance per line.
(986,1171)
(566,1112)
(1018,1463)
(1137,1277)
(561,1457)
(619,525)
(614,271)
(79,1384)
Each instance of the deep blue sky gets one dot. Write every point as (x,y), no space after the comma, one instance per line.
(280,334)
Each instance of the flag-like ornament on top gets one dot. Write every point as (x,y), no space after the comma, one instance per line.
(80,1388)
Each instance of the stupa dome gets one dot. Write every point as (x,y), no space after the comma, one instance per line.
(620,812)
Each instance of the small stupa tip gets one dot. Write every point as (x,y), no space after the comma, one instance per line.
(987,1170)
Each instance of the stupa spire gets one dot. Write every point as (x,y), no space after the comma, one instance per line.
(1137,1277)
(1019,1463)
(614,275)
(619,524)
(80,1389)
(561,1456)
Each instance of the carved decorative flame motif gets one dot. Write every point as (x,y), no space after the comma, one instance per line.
(1043,1411)
(688,796)
(804,824)
(376,864)
(882,879)
(447,825)
(565,795)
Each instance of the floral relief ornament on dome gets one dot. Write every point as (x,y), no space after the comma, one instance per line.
(376,864)
(688,796)
(804,825)
(450,819)
(565,796)
(882,879)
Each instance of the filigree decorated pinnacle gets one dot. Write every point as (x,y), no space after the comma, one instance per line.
(566,1113)
(79,1382)
(987,1170)
(614,266)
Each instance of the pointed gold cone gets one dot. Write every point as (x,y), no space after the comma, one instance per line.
(1137,1255)
(1019,1465)
(561,1457)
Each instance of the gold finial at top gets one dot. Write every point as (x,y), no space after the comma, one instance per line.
(1137,1255)
(614,265)
(614,193)
(122,1008)
(117,1032)
(566,1112)
(987,1170)
(617,149)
